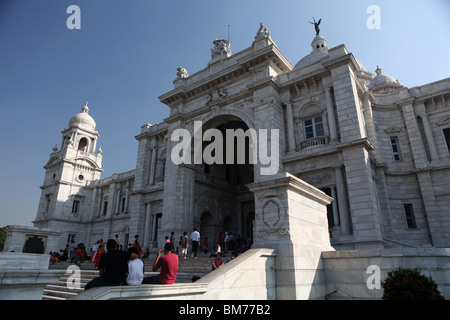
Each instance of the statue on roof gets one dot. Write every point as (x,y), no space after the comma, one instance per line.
(182,73)
(262,32)
(316,25)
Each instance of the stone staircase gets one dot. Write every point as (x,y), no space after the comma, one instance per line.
(187,268)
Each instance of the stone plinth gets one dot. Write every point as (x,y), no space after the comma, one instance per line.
(23,276)
(291,217)
(17,237)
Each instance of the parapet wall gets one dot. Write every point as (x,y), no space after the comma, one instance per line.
(250,277)
(348,272)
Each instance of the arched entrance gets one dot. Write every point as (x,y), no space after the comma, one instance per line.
(222,200)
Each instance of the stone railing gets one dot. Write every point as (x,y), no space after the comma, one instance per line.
(316,141)
(251,276)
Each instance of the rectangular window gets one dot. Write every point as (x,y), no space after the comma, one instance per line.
(122,207)
(48,199)
(70,239)
(409,215)
(314,127)
(75,206)
(396,149)
(447,137)
(105,207)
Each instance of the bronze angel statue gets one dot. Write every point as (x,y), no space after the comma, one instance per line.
(316,25)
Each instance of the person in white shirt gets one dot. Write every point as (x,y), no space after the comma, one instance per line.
(135,268)
(195,242)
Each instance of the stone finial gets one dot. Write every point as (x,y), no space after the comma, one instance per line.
(378,70)
(85,109)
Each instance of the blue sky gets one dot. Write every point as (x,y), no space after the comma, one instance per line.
(126,53)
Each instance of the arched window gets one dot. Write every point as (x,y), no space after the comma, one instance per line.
(83,144)
(313,126)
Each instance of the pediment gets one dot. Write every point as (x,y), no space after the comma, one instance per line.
(393,130)
(52,161)
(86,162)
(443,122)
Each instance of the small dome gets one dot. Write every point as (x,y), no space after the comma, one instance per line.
(383,83)
(83,119)
(320,51)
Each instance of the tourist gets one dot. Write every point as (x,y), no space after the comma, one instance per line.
(72,252)
(113,267)
(78,254)
(225,241)
(195,242)
(234,255)
(169,267)
(220,239)
(172,237)
(52,258)
(205,245)
(217,262)
(135,268)
(184,244)
(218,250)
(117,240)
(137,245)
(65,253)
(98,254)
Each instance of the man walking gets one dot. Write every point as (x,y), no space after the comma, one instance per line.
(195,241)
(184,245)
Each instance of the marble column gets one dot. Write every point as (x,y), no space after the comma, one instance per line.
(290,127)
(153,167)
(335,207)
(147,228)
(331,116)
(342,201)
(428,133)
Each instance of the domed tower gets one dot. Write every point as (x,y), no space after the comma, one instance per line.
(383,83)
(69,172)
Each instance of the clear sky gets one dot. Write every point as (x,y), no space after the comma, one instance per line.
(127,51)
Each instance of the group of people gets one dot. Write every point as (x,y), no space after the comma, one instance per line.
(194,241)
(185,243)
(73,253)
(117,267)
(226,243)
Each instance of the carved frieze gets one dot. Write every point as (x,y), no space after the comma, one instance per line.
(216,94)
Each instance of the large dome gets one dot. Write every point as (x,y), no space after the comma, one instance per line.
(383,83)
(83,119)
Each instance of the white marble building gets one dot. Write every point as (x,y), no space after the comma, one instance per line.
(379,149)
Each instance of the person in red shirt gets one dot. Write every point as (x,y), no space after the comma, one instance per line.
(168,264)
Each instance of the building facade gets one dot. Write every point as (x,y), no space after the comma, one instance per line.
(379,149)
